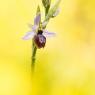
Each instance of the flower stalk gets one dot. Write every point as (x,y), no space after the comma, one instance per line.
(34,50)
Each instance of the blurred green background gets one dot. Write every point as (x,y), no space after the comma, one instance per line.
(66,66)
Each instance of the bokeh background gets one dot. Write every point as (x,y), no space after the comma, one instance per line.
(66,66)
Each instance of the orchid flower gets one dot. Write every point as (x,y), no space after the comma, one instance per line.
(38,34)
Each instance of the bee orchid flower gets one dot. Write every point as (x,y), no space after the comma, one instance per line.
(38,33)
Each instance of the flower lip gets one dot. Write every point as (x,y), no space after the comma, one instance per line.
(39,40)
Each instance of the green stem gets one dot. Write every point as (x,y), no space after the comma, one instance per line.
(34,50)
(46,11)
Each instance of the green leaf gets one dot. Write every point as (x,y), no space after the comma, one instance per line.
(46,4)
(52,10)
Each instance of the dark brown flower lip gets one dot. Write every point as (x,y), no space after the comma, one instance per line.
(39,40)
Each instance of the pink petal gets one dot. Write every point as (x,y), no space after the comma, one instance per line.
(29,35)
(48,34)
(34,28)
(37,19)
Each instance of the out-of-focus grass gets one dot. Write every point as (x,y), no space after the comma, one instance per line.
(66,66)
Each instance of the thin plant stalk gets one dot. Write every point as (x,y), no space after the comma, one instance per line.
(34,50)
